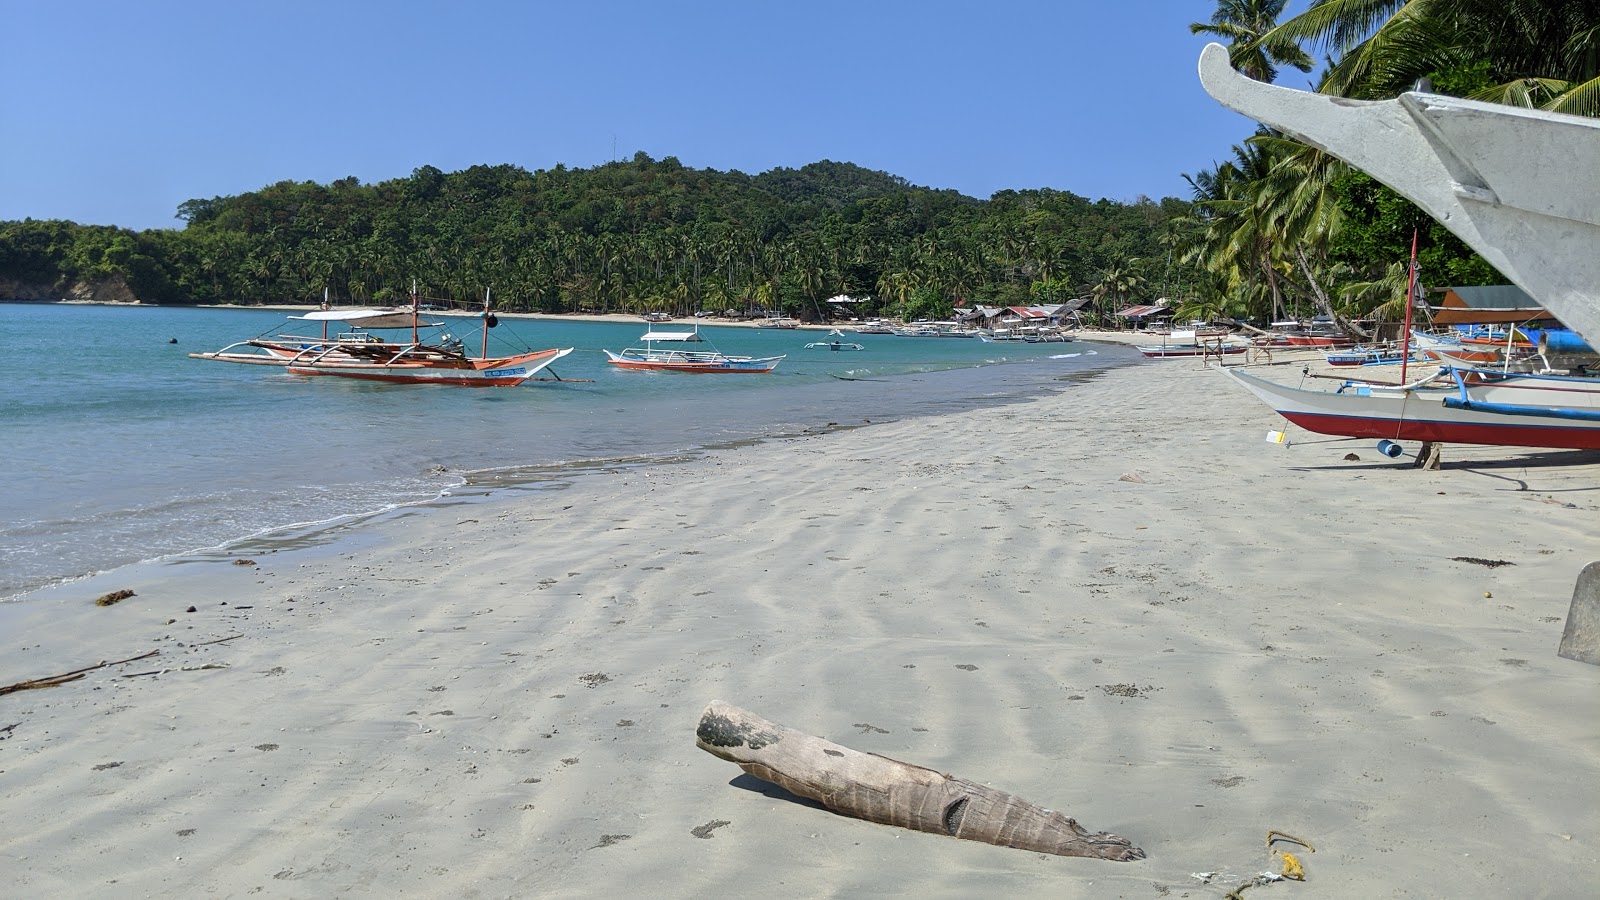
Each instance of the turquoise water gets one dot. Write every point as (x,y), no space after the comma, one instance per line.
(121,448)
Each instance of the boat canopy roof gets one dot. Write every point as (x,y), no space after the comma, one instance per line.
(366,318)
(671,336)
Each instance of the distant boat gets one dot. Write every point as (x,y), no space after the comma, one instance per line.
(664,351)
(933,329)
(874,327)
(1368,356)
(1472,407)
(360,354)
(1171,351)
(1186,343)
(834,343)
(1319,333)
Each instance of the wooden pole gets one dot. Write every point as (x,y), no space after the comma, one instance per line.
(887,791)
(1411,295)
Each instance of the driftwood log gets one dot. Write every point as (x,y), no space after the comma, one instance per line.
(890,792)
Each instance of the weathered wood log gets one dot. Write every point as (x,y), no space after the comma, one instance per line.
(879,789)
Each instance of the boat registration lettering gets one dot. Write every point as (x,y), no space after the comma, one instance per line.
(502,373)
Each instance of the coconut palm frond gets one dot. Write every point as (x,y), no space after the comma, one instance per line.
(1530,93)
(1578,100)
(1337,25)
(1382,299)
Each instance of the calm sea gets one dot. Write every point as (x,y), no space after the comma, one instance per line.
(120,448)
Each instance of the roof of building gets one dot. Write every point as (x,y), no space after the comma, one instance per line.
(1139,312)
(1487,305)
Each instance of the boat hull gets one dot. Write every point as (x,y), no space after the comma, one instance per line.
(1175,352)
(1355,358)
(1316,340)
(1502,413)
(693,363)
(505,371)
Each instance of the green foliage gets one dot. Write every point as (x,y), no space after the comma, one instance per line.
(927,303)
(630,236)
(1377,230)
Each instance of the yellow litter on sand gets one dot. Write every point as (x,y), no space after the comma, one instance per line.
(1292,867)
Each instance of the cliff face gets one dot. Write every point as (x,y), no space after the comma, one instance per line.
(107,290)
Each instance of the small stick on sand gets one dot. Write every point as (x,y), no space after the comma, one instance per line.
(890,792)
(65,677)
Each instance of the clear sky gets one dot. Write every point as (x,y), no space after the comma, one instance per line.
(115,112)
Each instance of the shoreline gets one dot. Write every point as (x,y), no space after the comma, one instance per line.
(614,318)
(500,697)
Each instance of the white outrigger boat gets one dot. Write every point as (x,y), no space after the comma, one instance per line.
(835,343)
(360,354)
(1451,405)
(663,351)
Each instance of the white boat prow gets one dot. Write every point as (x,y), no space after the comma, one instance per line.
(1517,185)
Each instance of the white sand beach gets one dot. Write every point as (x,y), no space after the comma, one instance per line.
(1119,602)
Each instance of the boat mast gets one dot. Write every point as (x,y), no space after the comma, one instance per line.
(414,310)
(485,353)
(1411,294)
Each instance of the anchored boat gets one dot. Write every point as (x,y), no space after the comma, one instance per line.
(356,352)
(665,351)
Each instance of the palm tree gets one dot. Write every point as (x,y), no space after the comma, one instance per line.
(1543,53)
(1254,47)
(1234,239)
(1115,285)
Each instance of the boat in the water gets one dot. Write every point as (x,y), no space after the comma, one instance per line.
(1466,406)
(432,355)
(834,343)
(1026,334)
(874,326)
(665,351)
(933,329)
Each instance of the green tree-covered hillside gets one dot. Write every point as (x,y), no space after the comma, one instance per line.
(634,236)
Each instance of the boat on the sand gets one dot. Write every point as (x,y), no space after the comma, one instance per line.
(1454,405)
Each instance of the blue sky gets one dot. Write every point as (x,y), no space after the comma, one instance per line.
(116,112)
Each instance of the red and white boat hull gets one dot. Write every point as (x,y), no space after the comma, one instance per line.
(1511,412)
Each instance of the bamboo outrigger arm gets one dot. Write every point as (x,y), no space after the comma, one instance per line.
(1517,185)
(879,789)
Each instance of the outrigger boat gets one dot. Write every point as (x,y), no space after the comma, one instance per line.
(1180,344)
(663,351)
(358,353)
(1176,351)
(1472,406)
(833,343)
(1369,356)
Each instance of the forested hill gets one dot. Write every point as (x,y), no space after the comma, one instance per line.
(633,236)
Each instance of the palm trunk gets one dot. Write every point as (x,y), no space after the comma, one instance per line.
(878,789)
(1320,298)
